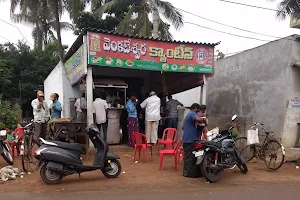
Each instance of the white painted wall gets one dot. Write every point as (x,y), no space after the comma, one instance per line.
(57,82)
(53,84)
(69,91)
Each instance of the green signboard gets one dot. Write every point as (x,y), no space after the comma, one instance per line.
(75,67)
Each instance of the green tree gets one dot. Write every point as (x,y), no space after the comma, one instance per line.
(137,17)
(8,114)
(88,21)
(27,70)
(5,81)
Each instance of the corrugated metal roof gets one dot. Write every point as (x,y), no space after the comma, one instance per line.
(78,42)
(151,38)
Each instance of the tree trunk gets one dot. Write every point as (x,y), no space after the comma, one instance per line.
(45,25)
(39,42)
(45,31)
(60,49)
(155,20)
(46,36)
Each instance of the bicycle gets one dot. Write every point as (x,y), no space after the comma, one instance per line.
(28,144)
(263,151)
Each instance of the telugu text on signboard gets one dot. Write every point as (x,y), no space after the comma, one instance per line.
(75,66)
(124,52)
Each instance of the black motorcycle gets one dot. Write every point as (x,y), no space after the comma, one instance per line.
(219,154)
(5,152)
(59,159)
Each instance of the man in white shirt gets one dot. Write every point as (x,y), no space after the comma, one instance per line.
(41,115)
(152,116)
(100,110)
(80,106)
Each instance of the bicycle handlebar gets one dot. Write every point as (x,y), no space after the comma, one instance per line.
(28,125)
(259,124)
(231,127)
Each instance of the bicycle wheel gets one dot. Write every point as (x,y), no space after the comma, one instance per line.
(247,151)
(29,162)
(274,154)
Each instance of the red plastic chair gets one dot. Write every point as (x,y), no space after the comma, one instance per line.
(141,144)
(170,139)
(173,152)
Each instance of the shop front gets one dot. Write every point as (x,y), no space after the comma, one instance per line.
(118,65)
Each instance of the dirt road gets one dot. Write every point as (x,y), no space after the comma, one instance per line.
(233,192)
(145,177)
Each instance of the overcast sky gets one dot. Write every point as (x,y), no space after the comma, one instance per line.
(252,19)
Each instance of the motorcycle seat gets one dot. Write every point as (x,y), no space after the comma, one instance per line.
(212,143)
(70,146)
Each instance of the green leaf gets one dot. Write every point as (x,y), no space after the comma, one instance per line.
(171,13)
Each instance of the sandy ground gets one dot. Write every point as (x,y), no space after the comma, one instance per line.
(258,191)
(143,175)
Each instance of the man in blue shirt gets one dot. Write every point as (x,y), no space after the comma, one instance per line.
(192,133)
(132,120)
(55,106)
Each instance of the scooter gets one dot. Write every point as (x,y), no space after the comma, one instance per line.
(58,159)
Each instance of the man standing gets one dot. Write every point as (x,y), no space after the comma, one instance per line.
(132,124)
(172,112)
(55,106)
(191,134)
(111,97)
(41,115)
(100,110)
(80,106)
(152,116)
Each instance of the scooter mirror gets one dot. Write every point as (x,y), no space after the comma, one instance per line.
(233,117)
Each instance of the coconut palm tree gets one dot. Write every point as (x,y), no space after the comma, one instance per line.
(43,24)
(137,17)
(57,7)
(54,9)
(288,8)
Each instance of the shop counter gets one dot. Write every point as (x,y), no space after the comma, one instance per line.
(113,129)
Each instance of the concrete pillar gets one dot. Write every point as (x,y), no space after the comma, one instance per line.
(85,53)
(88,83)
(203,91)
(201,94)
(89,96)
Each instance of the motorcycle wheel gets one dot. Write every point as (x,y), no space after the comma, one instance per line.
(50,177)
(243,168)
(115,171)
(7,155)
(209,174)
